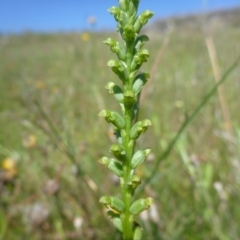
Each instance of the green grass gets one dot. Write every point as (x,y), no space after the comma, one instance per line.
(62,77)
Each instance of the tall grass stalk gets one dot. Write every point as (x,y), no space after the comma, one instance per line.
(221,92)
(130,57)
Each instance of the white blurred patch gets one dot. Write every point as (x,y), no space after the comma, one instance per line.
(77,223)
(37,214)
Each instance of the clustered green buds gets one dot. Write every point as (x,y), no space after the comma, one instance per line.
(130,57)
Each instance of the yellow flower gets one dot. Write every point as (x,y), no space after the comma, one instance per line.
(9,165)
(85,37)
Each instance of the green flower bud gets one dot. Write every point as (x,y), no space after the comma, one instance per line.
(131,20)
(140,81)
(118,67)
(142,19)
(139,128)
(123,19)
(139,157)
(115,11)
(116,47)
(113,203)
(129,98)
(105,161)
(123,4)
(113,117)
(140,57)
(115,217)
(116,168)
(116,91)
(137,233)
(140,205)
(140,42)
(134,182)
(117,222)
(133,7)
(129,33)
(118,152)
(132,76)
(113,165)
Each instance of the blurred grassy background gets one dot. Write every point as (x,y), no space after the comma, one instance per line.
(51,90)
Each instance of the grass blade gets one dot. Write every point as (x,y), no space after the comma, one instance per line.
(188,121)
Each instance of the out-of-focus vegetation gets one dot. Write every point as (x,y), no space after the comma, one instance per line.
(51,90)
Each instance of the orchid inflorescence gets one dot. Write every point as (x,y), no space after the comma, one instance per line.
(130,57)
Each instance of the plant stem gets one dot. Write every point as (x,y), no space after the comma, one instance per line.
(126,194)
(128,144)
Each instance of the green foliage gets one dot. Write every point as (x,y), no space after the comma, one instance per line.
(48,90)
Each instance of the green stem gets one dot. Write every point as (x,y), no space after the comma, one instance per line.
(127,221)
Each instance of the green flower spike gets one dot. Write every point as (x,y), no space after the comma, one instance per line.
(130,55)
